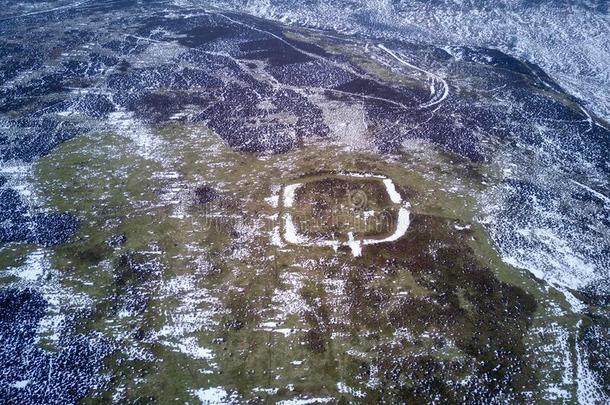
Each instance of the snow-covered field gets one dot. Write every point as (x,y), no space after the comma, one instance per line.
(568,39)
(153,156)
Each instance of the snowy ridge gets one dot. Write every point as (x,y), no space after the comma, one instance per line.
(568,40)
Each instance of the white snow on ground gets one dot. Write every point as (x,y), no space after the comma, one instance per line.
(271,326)
(276,237)
(246,233)
(18,175)
(354,245)
(289,192)
(588,390)
(568,40)
(402,225)
(347,123)
(577,272)
(288,298)
(33,269)
(210,396)
(575,304)
(306,401)
(146,143)
(273,200)
(21,384)
(268,391)
(595,193)
(37,9)
(391,189)
(291,234)
(155,51)
(38,273)
(561,247)
(556,351)
(346,389)
(190,346)
(363,175)
(436,97)
(179,332)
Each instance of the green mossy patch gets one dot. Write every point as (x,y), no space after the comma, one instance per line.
(180,249)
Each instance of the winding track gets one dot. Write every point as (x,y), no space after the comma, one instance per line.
(435,99)
(49,10)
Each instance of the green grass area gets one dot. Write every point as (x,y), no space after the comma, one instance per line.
(435,305)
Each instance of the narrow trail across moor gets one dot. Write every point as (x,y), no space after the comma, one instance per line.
(438,96)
